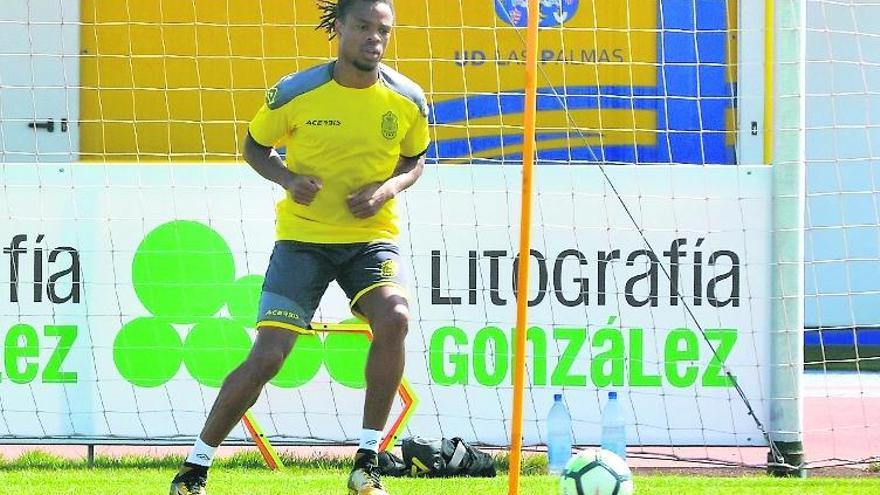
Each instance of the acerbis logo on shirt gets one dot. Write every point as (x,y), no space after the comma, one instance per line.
(324,123)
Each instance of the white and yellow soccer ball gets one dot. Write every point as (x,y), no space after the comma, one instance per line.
(596,472)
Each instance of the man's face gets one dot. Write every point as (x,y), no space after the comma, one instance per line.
(364,33)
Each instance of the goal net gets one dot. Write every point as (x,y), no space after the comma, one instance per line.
(842,341)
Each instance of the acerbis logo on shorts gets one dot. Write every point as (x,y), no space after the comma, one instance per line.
(282,313)
(388,268)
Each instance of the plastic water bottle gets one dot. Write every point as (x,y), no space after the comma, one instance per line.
(614,427)
(558,436)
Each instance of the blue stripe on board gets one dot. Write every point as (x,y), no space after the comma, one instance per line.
(842,337)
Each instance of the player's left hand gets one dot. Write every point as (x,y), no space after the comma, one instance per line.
(366,201)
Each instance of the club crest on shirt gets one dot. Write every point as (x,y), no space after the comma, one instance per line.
(389,125)
(388,269)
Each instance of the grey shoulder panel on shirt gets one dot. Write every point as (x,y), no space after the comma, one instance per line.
(298,83)
(404,86)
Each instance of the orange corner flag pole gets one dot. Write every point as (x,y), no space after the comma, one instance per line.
(525,239)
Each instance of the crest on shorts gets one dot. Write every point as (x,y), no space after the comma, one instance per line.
(388,268)
(389,125)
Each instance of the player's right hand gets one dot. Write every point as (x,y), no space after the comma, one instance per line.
(304,188)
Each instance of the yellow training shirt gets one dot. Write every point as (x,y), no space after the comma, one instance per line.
(346,137)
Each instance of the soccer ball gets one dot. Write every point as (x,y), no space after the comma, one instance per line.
(596,472)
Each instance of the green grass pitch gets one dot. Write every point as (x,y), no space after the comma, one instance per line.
(246,474)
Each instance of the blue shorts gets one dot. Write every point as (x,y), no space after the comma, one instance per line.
(299,273)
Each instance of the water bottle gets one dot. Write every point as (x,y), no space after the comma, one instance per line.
(614,427)
(558,436)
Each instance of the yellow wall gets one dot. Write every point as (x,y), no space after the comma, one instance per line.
(172,78)
(179,80)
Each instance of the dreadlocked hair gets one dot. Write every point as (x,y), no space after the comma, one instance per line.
(331,10)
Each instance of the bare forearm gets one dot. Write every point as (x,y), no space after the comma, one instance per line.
(266,162)
(406,174)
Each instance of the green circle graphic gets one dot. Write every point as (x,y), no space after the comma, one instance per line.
(147,352)
(183,271)
(346,358)
(244,299)
(302,364)
(214,348)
